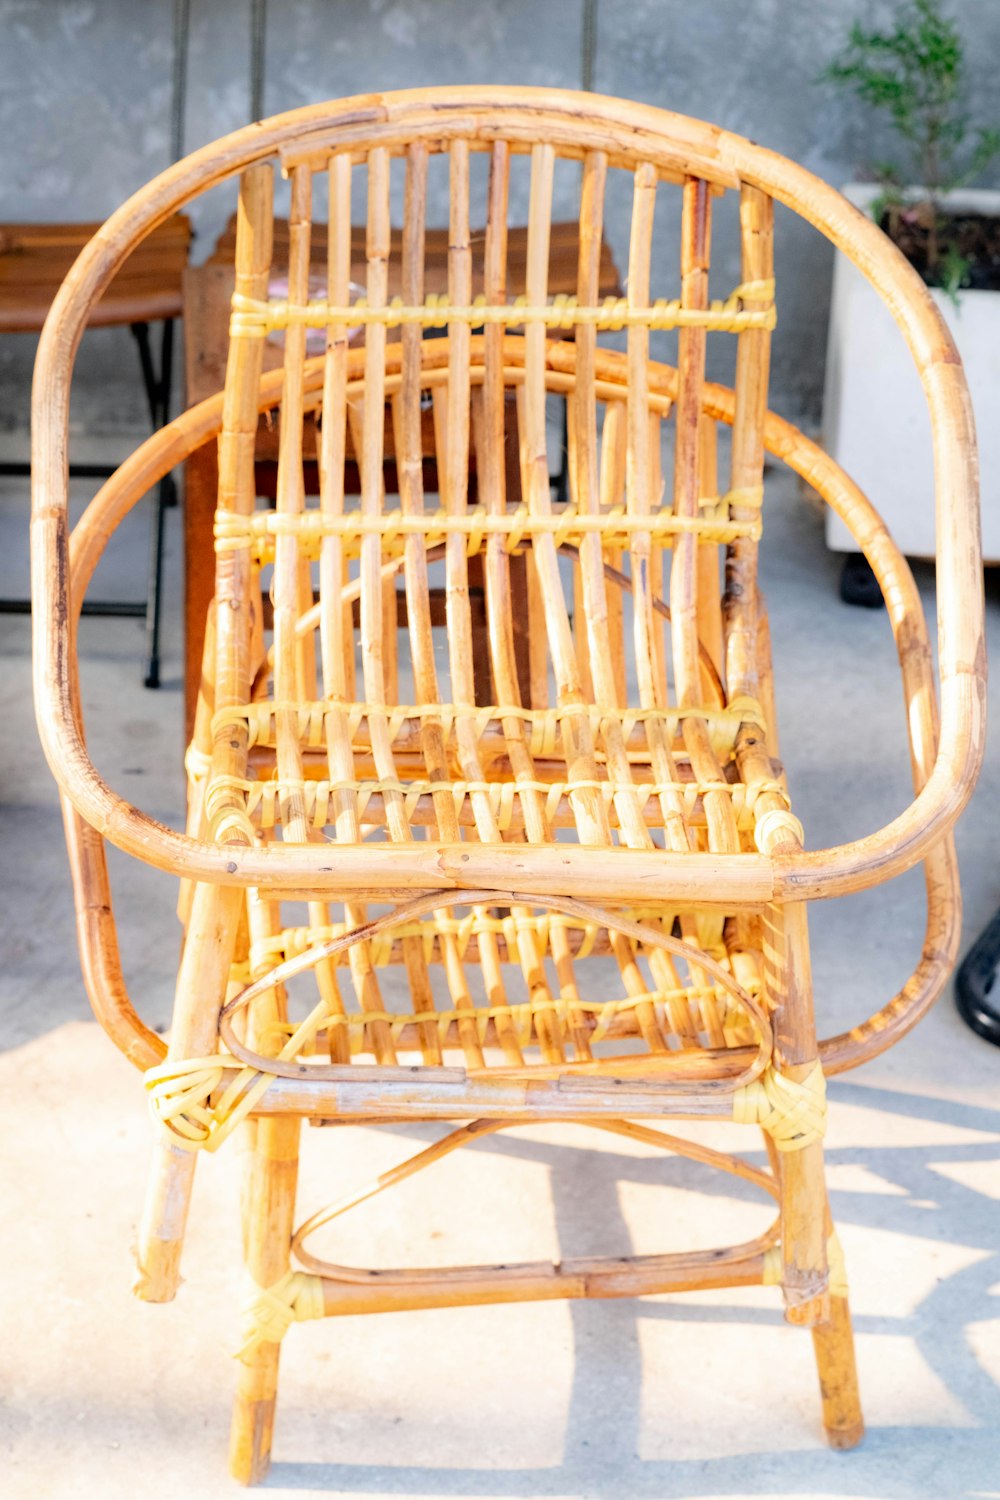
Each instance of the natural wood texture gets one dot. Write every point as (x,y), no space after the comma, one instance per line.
(270,1173)
(36,258)
(563,242)
(522,749)
(208,291)
(838,1377)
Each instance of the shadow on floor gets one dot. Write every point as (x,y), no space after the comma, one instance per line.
(600,1455)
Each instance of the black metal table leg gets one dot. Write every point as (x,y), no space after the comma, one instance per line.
(106,608)
(975,980)
(157,385)
(19,470)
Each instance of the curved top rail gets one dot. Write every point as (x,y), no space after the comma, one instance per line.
(699,149)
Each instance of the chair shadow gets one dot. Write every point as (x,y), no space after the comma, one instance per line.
(600,1455)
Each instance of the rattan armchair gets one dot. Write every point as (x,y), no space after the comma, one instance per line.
(555,876)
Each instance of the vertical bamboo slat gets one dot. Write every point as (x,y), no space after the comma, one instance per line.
(270,1174)
(606,647)
(578,747)
(272,1163)
(614,437)
(752,363)
(336,627)
(639,499)
(286,588)
(695,239)
(722,833)
(492,472)
(707,567)
(273,1175)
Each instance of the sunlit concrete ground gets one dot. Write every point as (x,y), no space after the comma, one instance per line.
(709,1395)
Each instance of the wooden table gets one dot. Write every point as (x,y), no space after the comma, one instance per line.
(36,258)
(207,292)
(34,262)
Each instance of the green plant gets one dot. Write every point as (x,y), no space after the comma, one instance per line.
(953,267)
(913,72)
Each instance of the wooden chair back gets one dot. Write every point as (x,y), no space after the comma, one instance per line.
(622,517)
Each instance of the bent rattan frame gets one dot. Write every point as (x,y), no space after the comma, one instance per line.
(676,145)
(755,1057)
(202,424)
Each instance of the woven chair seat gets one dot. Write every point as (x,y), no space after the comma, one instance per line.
(551,784)
(506,987)
(537,1022)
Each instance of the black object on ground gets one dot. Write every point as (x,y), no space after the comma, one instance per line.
(975,981)
(858,584)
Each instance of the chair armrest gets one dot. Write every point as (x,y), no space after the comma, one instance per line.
(66,566)
(945,786)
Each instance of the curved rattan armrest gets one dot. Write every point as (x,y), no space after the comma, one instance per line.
(753,879)
(759,878)
(201,425)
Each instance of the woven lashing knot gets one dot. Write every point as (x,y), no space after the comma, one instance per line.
(749,496)
(836,1267)
(792,1112)
(269,1311)
(777,826)
(179,1091)
(178,1100)
(750,305)
(228,820)
(756,291)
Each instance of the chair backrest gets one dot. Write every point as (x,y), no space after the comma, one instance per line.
(621,514)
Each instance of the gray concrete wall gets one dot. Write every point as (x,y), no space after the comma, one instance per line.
(85,116)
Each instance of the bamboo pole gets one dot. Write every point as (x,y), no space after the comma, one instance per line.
(270,1170)
(337,631)
(211,935)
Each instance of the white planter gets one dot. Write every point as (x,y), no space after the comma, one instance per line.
(875,421)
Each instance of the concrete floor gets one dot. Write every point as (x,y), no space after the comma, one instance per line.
(710,1395)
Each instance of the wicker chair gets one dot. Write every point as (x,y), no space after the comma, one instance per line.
(544,885)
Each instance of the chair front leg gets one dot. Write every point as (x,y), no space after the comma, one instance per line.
(833,1343)
(201,991)
(812,1278)
(271,1167)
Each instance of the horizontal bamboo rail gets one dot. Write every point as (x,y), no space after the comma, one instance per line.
(477,1286)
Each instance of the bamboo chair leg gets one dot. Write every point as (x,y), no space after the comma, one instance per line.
(833,1343)
(201,991)
(272,1167)
(805,1214)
